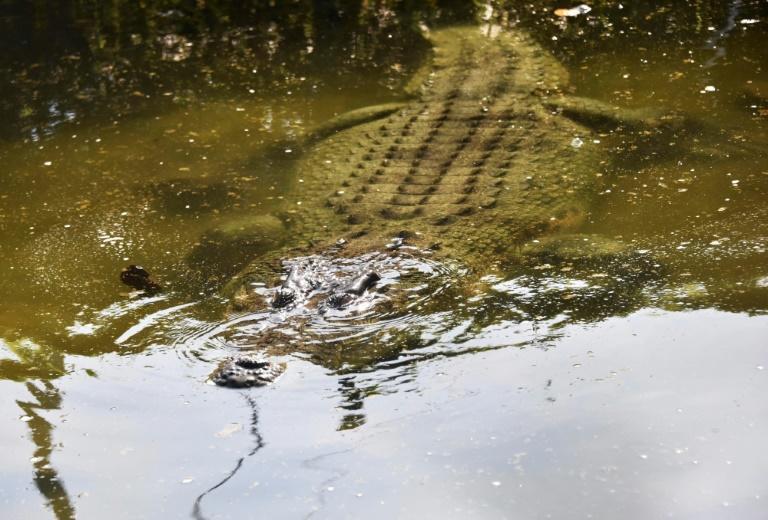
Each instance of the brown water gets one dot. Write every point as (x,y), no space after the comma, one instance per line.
(131,132)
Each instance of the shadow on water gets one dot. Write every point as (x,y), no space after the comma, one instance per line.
(47,480)
(78,59)
(258,443)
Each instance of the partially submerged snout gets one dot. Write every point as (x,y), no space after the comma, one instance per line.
(326,300)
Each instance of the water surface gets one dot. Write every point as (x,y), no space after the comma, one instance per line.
(131,132)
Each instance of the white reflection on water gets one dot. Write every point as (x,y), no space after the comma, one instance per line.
(658,414)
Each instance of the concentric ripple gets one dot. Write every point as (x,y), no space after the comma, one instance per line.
(420,307)
(409,286)
(413,296)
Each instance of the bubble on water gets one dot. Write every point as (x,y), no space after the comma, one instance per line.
(576,142)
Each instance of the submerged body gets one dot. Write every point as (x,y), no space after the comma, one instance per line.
(476,149)
(476,166)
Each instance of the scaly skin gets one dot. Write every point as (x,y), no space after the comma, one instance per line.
(475,163)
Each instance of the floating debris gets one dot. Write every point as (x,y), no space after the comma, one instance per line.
(573,11)
(139,278)
(229,430)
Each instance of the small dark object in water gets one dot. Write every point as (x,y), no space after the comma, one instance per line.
(245,372)
(139,278)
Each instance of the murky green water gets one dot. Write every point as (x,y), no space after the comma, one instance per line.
(131,133)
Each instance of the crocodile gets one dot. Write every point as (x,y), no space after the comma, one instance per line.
(487,160)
